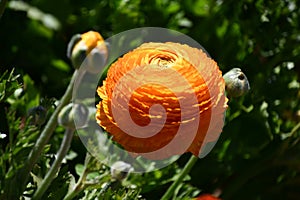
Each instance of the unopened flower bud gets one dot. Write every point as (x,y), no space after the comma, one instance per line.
(38,115)
(120,170)
(236,83)
(88,50)
(73,114)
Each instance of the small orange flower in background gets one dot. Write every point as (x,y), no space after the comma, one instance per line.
(183,80)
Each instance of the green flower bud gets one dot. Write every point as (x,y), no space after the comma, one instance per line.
(73,114)
(87,50)
(120,170)
(236,83)
(38,115)
(76,57)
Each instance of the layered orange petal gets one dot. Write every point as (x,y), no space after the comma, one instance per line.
(184,81)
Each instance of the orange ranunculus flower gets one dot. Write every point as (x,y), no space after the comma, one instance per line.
(187,85)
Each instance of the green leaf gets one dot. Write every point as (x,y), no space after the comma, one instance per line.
(37,180)
(32,96)
(79,168)
(61,65)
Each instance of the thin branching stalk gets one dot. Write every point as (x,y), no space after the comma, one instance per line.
(79,186)
(51,174)
(46,134)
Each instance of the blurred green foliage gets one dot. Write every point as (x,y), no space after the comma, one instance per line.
(258,153)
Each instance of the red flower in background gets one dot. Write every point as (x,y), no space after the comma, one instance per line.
(207,197)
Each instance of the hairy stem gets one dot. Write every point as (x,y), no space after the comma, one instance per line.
(187,168)
(80,183)
(63,150)
(45,135)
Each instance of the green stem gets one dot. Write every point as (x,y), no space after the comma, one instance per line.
(46,134)
(2,7)
(63,150)
(80,183)
(295,129)
(187,168)
(74,192)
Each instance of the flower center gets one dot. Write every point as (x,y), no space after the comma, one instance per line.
(162,61)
